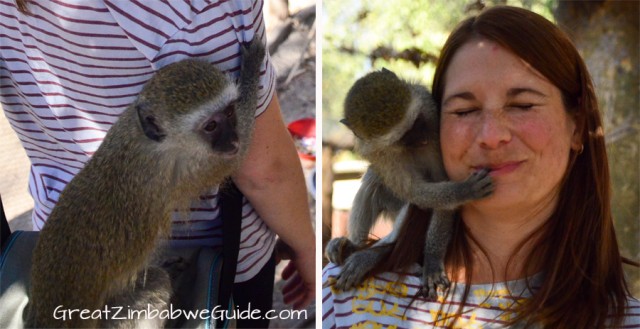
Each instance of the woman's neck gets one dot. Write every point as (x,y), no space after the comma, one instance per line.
(497,240)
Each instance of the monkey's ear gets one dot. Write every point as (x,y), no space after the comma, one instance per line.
(385,71)
(149,123)
(346,123)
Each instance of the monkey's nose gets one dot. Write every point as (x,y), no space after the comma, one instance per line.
(229,150)
(226,144)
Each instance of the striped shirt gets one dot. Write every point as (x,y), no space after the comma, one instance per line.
(68,70)
(385,302)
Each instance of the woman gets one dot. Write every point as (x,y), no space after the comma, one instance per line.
(515,97)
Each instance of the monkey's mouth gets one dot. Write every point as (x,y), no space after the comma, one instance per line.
(227,150)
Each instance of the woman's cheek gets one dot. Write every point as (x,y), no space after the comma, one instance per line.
(455,142)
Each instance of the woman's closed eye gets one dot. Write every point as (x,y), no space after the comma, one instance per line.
(521,106)
(463,112)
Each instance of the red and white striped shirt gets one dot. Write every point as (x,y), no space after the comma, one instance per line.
(68,70)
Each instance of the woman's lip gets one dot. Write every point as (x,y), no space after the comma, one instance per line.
(500,168)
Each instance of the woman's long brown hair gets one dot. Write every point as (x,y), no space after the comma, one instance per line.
(22,6)
(577,250)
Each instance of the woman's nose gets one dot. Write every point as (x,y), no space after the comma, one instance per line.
(493,131)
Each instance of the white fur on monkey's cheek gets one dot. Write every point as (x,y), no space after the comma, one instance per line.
(195,119)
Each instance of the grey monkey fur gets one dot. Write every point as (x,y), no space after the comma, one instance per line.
(405,168)
(185,132)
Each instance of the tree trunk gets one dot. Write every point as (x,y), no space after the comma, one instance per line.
(607,35)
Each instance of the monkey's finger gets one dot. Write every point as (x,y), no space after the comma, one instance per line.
(350,277)
(330,282)
(483,172)
(423,292)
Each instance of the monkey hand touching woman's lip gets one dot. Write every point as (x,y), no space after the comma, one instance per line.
(187,131)
(396,125)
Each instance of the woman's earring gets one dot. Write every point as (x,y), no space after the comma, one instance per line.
(581,149)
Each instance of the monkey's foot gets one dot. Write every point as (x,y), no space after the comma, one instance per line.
(355,269)
(359,265)
(152,292)
(434,279)
(339,249)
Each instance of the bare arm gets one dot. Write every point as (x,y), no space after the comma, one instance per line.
(271,178)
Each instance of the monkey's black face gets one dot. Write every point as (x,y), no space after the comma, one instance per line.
(420,134)
(219,130)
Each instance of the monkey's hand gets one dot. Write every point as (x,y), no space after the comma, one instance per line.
(434,278)
(253,54)
(339,249)
(477,186)
(358,265)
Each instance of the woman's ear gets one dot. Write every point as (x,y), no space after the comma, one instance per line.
(577,142)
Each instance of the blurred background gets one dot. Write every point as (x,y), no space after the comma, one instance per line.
(406,36)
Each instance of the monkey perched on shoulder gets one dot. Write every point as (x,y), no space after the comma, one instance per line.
(397,129)
(187,131)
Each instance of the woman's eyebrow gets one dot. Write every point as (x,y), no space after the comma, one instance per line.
(465,95)
(513,92)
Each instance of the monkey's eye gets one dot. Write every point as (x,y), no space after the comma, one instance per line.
(229,110)
(210,126)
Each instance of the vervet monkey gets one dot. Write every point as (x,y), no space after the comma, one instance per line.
(187,131)
(396,125)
